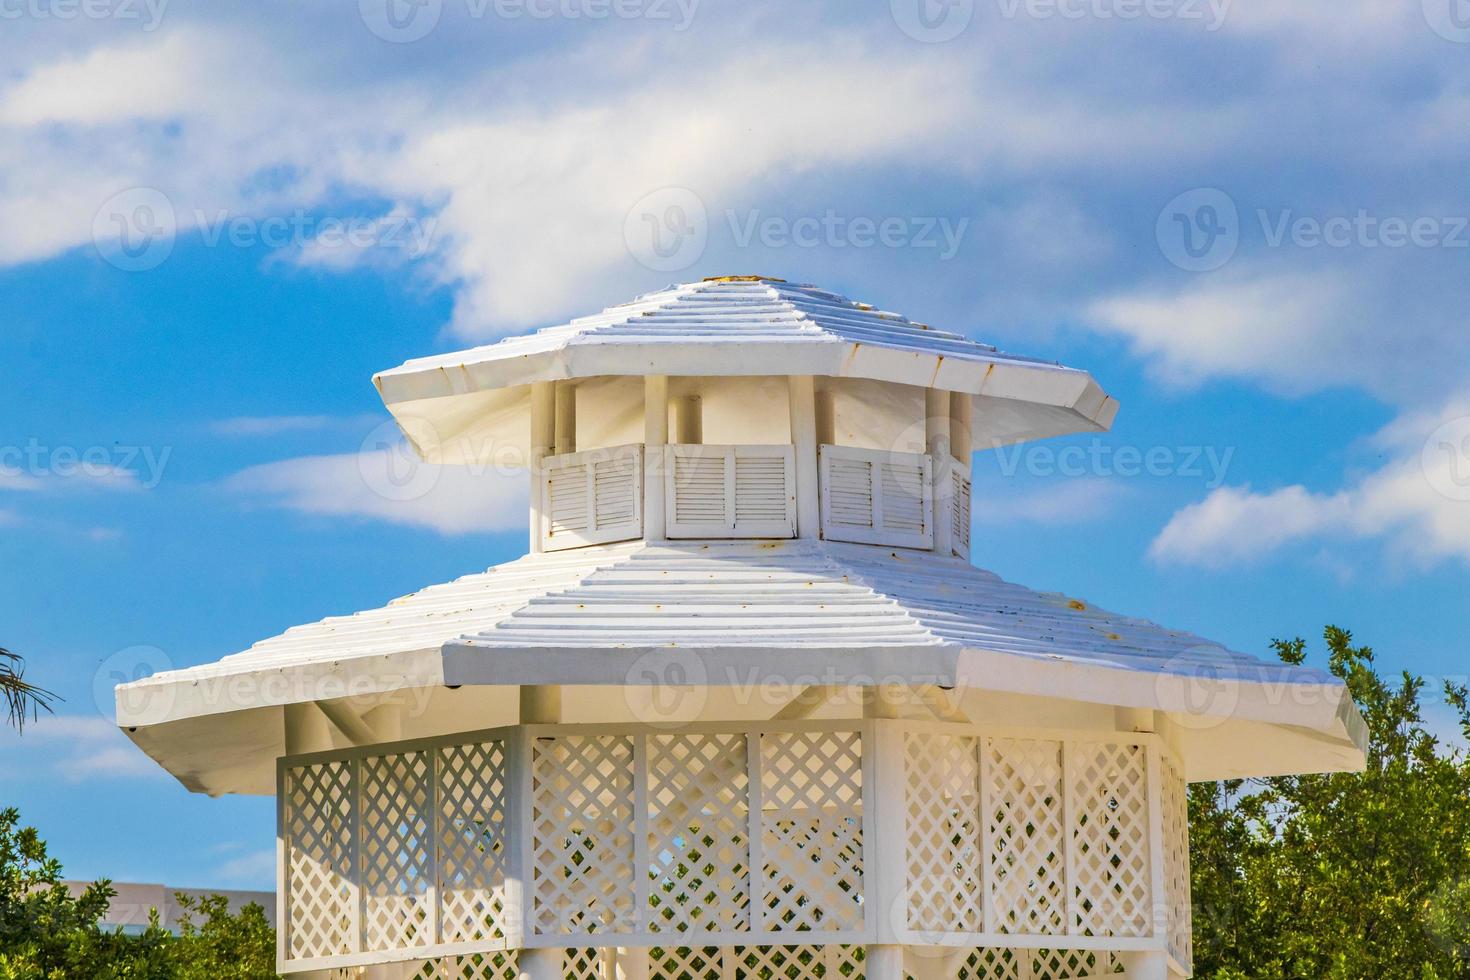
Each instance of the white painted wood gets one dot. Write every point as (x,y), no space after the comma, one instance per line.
(541,964)
(306,729)
(543,436)
(689,420)
(566,418)
(802,398)
(806,702)
(540,704)
(1152,965)
(961,428)
(872,497)
(592,497)
(631,963)
(730,491)
(884,962)
(347,722)
(959,510)
(937,445)
(655,437)
(826,417)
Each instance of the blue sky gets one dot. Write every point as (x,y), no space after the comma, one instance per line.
(1247,219)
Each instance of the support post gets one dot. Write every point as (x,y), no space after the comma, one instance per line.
(566,418)
(937,444)
(543,437)
(307,729)
(961,420)
(542,963)
(347,722)
(630,963)
(826,412)
(689,420)
(884,962)
(655,438)
(1153,965)
(802,395)
(540,704)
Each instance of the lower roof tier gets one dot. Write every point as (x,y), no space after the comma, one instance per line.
(613,623)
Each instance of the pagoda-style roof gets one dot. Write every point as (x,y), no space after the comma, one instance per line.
(744,613)
(733,326)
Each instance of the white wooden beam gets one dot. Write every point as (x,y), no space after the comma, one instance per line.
(802,394)
(347,722)
(541,963)
(826,413)
(942,704)
(655,437)
(805,703)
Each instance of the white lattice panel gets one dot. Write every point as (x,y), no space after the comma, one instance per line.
(1175,808)
(321,859)
(811,830)
(397,850)
(1027,854)
(582,834)
(480,966)
(1110,840)
(687,963)
(942,777)
(993,963)
(698,833)
(1068,964)
(474,841)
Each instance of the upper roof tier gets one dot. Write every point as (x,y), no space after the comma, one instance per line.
(452,405)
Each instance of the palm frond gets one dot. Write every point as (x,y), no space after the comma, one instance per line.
(21,698)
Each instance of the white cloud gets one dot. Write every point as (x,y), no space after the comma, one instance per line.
(389,485)
(1277,327)
(253,869)
(79,748)
(271,425)
(1419,502)
(1070,501)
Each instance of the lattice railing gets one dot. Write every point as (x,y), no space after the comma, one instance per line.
(822,962)
(737,836)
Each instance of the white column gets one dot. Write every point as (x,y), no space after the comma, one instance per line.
(801,391)
(386,721)
(543,436)
(630,963)
(1146,966)
(689,420)
(655,437)
(307,729)
(540,704)
(884,962)
(961,418)
(826,419)
(566,418)
(936,438)
(541,964)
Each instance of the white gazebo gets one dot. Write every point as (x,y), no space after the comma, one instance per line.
(746,711)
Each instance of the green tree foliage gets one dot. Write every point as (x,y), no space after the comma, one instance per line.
(47,934)
(1344,876)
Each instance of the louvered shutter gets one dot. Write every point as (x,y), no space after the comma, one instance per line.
(877,498)
(730,491)
(960,498)
(592,497)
